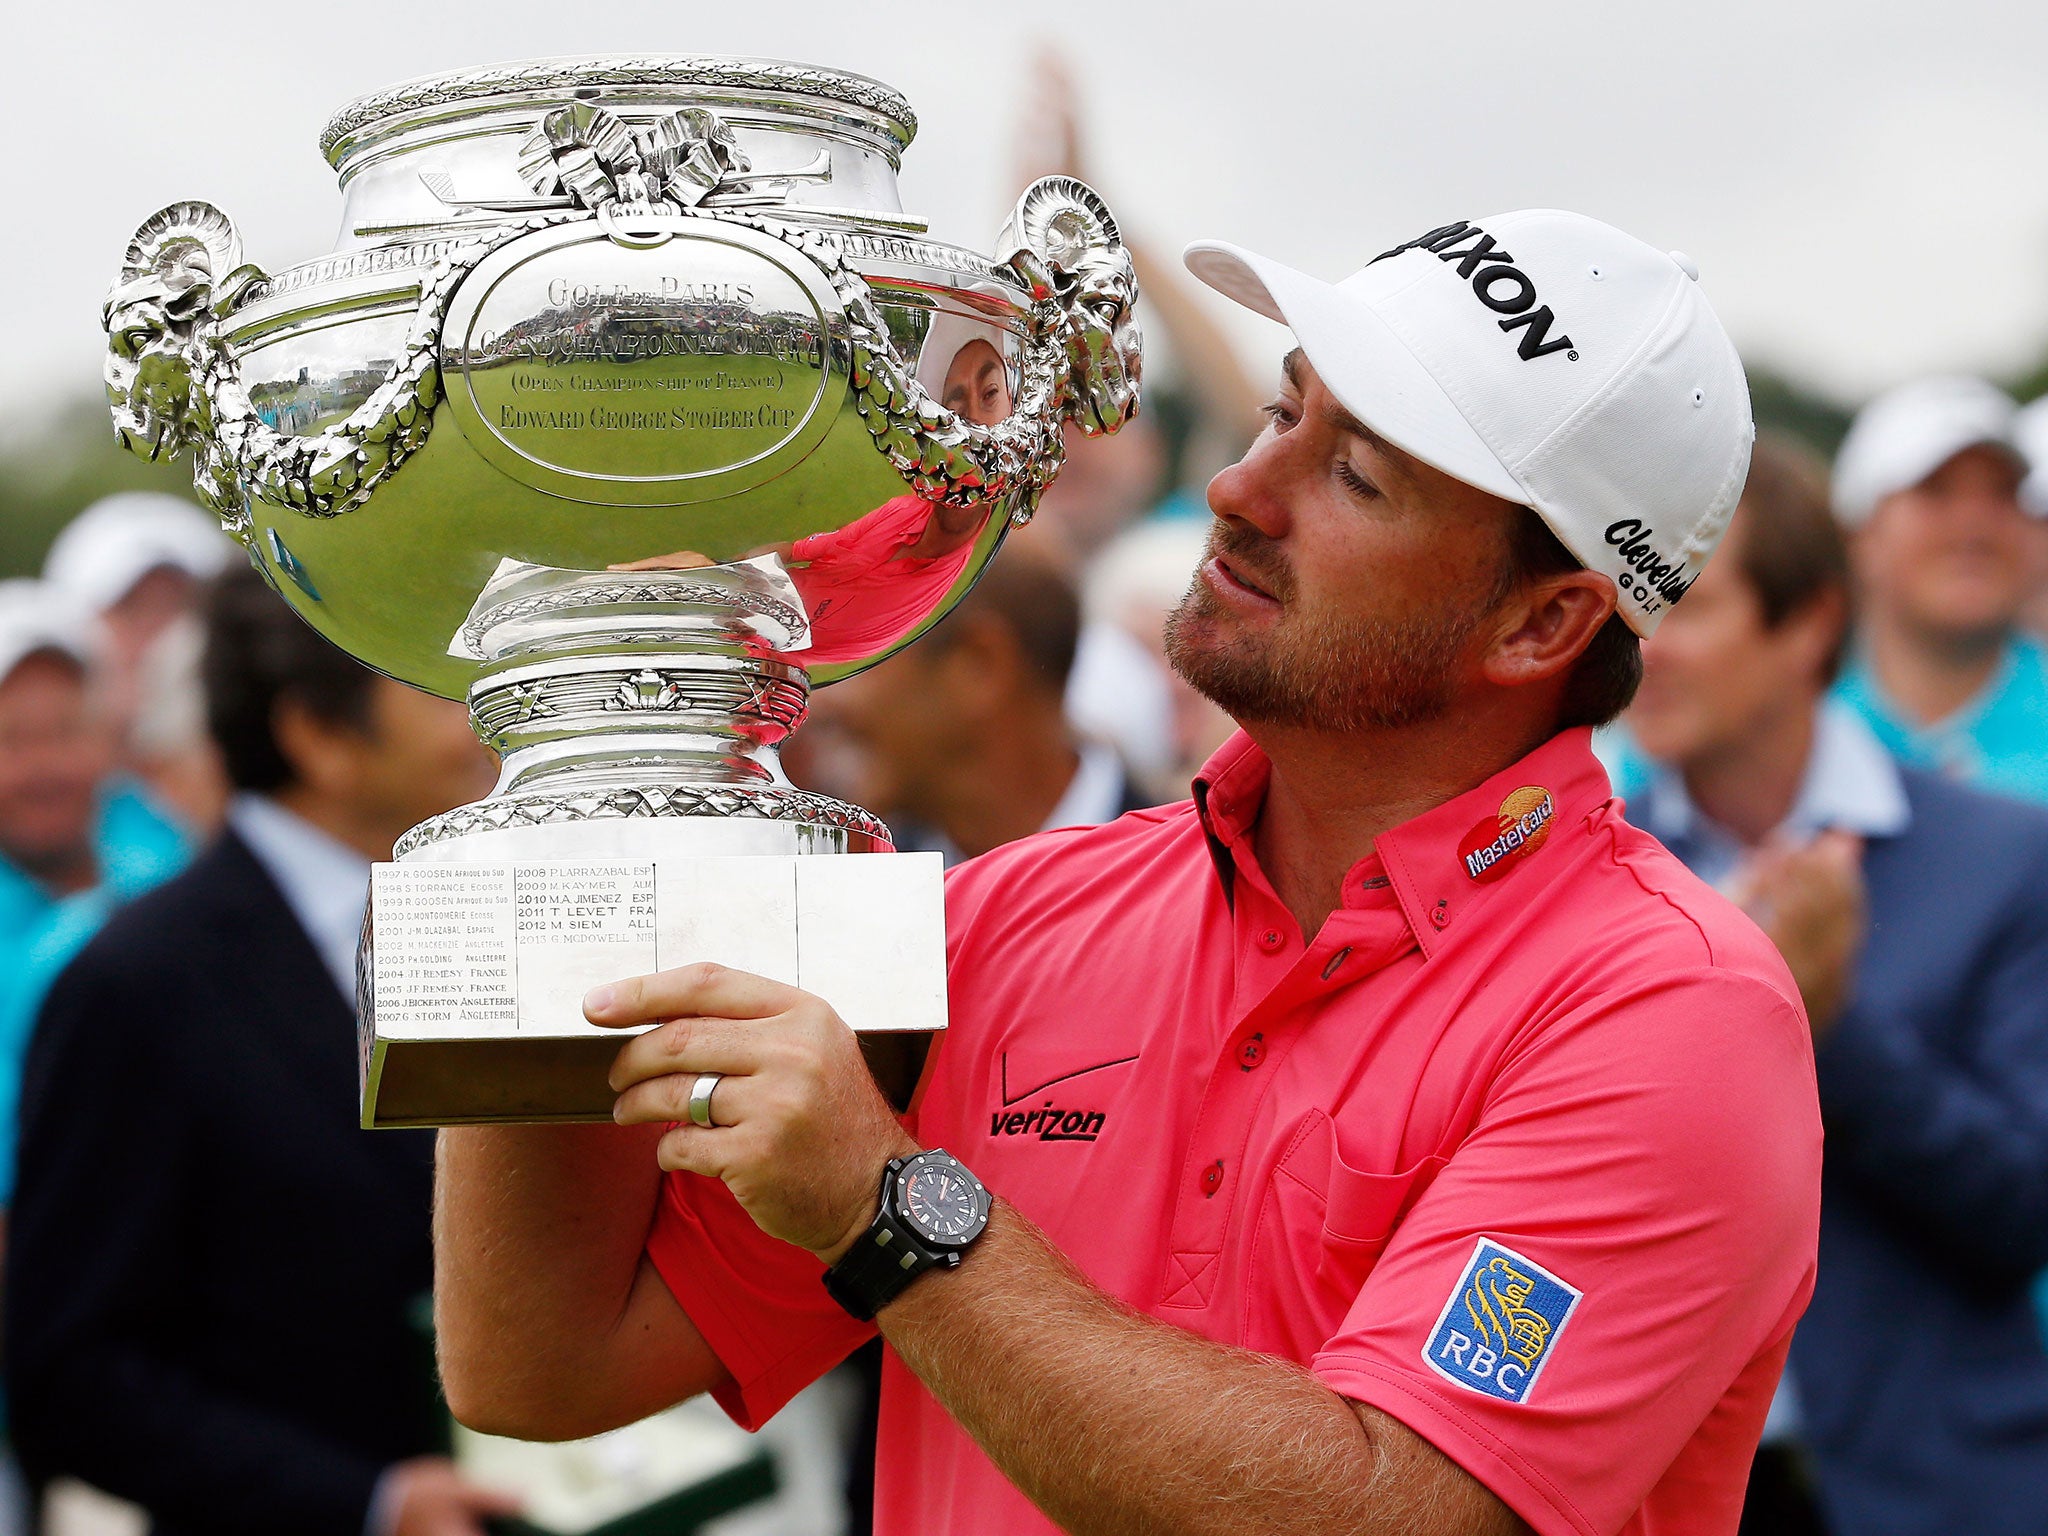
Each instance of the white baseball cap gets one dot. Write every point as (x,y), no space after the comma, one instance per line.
(2030,431)
(110,546)
(1546,358)
(1907,433)
(36,617)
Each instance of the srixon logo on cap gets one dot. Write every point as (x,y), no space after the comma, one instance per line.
(1492,847)
(1502,286)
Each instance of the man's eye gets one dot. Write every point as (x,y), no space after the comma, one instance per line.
(1354,482)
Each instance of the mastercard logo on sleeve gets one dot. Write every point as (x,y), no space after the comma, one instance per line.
(1492,847)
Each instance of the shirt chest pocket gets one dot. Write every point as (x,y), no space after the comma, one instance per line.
(1322,1225)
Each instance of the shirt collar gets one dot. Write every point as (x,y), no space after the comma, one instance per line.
(1851,784)
(1949,743)
(325,882)
(1447,862)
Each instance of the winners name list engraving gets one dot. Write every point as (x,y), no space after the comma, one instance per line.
(444,954)
(463,951)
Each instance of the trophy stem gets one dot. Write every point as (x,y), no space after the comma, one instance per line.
(585,720)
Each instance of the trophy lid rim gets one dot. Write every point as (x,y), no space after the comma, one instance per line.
(450,87)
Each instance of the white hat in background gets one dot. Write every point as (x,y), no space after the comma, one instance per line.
(36,617)
(2030,431)
(1544,357)
(110,546)
(1907,433)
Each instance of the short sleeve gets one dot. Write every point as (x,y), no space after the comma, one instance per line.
(1626,1235)
(759,1302)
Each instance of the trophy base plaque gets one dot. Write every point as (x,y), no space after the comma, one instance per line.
(473,975)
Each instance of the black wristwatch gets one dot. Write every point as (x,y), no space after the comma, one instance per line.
(932,1210)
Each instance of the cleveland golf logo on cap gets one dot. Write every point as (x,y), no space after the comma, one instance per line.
(1655,576)
(1502,286)
(1523,824)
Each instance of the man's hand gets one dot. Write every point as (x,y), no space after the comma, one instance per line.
(1809,900)
(428,1497)
(800,1131)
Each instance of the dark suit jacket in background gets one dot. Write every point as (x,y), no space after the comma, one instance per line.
(1919,1364)
(215,1281)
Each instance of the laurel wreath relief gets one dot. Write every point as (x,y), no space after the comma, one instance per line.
(173,383)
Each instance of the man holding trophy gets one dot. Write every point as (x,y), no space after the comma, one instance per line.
(1395,1055)
(1388,1138)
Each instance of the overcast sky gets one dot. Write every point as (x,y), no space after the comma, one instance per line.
(1864,185)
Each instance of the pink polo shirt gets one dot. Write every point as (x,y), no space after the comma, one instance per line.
(1522,1148)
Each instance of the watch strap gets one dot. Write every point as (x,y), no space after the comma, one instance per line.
(882,1261)
(877,1268)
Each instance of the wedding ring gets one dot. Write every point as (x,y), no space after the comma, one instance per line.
(700,1097)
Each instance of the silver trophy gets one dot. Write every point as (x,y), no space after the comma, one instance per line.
(629,406)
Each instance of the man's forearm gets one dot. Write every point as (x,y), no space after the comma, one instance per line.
(539,1233)
(1115,1424)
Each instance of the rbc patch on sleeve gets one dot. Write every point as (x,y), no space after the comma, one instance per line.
(1501,1323)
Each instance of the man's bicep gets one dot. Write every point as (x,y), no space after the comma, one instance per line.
(1417,1489)
(657,1356)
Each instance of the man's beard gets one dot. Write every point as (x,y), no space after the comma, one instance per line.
(1328,671)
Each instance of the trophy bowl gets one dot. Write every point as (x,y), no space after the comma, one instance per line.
(629,405)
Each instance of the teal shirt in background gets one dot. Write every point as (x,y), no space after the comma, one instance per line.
(1997,742)
(137,847)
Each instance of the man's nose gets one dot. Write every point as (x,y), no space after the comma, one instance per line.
(1251,489)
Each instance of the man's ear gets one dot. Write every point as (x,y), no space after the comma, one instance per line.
(1546,626)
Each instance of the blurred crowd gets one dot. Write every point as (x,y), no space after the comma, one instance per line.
(1844,727)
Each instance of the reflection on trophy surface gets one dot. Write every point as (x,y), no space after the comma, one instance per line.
(629,406)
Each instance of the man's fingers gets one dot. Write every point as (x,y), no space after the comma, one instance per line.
(688,1046)
(691,1149)
(702,989)
(666,1100)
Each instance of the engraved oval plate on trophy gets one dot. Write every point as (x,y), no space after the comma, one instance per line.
(690,362)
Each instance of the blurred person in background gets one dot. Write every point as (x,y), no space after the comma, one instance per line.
(1946,559)
(2030,431)
(964,735)
(170,752)
(137,560)
(75,838)
(1913,912)
(1130,588)
(216,1281)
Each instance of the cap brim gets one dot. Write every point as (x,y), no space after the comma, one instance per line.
(1361,361)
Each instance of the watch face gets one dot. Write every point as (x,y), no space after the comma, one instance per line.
(942,1201)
